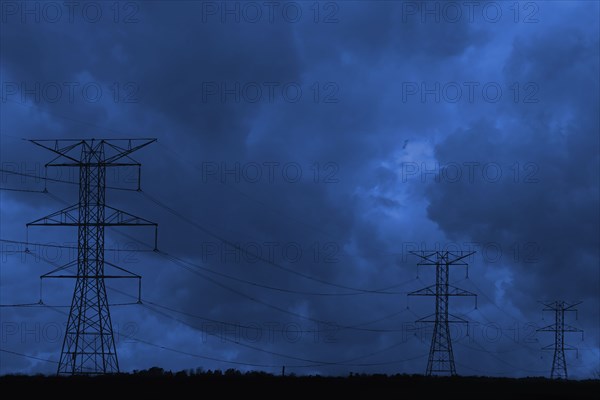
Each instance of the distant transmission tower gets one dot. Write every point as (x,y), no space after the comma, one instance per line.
(441,357)
(559,363)
(89,345)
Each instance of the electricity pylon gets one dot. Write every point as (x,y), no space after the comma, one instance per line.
(559,363)
(89,345)
(441,357)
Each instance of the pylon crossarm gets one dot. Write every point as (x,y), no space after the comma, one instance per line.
(127,155)
(61,268)
(569,328)
(51,162)
(428,291)
(130,274)
(125,152)
(62,152)
(456,291)
(66,216)
(461,257)
(425,255)
(570,306)
(549,328)
(100,164)
(427,319)
(457,319)
(453,319)
(52,273)
(553,328)
(93,276)
(119,217)
(442,257)
(73,144)
(549,306)
(554,306)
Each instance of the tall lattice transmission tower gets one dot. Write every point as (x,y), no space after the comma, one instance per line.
(89,344)
(559,362)
(441,356)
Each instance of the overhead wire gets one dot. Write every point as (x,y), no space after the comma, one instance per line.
(272,263)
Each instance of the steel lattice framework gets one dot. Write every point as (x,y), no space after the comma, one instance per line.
(559,362)
(89,345)
(441,356)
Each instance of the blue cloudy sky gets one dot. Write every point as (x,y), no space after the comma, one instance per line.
(330,139)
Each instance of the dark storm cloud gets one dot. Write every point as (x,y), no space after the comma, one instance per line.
(352,213)
(550,207)
(553,200)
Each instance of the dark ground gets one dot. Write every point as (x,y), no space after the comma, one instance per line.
(260,385)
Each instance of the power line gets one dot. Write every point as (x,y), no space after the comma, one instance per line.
(493,302)
(356,291)
(179,261)
(164,348)
(313,365)
(38,304)
(236,341)
(245,345)
(189,220)
(187,353)
(22,190)
(199,267)
(502,332)
(192,315)
(181,264)
(315,362)
(45,178)
(499,359)
(41,304)
(272,287)
(28,356)
(292,313)
(245,251)
(35,244)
